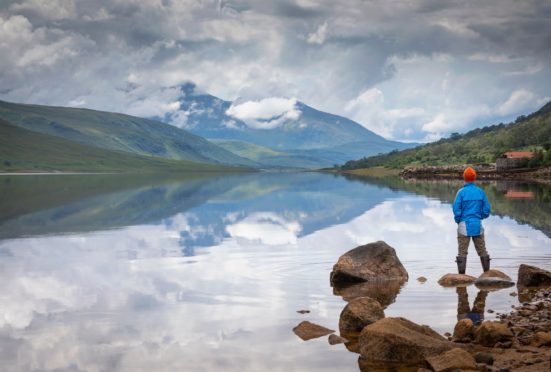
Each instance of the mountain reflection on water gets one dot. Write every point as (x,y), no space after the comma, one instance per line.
(207,272)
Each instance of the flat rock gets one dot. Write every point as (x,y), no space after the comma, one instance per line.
(490,283)
(455,280)
(452,360)
(359,313)
(489,333)
(334,339)
(307,330)
(494,273)
(421,279)
(531,276)
(398,340)
(494,279)
(371,262)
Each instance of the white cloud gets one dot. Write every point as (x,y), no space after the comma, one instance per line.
(518,101)
(457,27)
(318,37)
(50,9)
(368,109)
(266,113)
(492,58)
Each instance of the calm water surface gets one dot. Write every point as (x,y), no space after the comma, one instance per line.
(103,273)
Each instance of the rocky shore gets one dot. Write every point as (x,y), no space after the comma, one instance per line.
(484,172)
(516,341)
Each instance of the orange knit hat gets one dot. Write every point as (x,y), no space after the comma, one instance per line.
(469,175)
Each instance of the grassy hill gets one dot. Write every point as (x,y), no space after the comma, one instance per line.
(266,156)
(118,132)
(482,145)
(25,150)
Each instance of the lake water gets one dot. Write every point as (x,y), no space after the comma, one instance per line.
(205,273)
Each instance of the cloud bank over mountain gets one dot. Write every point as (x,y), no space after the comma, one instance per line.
(408,70)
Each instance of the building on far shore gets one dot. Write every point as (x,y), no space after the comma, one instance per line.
(513,159)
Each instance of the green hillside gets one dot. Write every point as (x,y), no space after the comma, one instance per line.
(272,158)
(118,132)
(25,150)
(482,145)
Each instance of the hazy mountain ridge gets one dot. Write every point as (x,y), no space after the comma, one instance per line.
(343,138)
(118,132)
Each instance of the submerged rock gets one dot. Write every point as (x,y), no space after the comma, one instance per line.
(359,313)
(455,359)
(421,279)
(456,280)
(334,339)
(398,340)
(371,262)
(531,276)
(307,331)
(385,292)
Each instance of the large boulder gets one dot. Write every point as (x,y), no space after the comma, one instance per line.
(456,280)
(398,340)
(385,292)
(491,332)
(455,359)
(531,276)
(359,313)
(307,330)
(370,262)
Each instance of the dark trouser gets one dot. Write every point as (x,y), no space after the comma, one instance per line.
(463,245)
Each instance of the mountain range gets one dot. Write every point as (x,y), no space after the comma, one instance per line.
(216,133)
(312,138)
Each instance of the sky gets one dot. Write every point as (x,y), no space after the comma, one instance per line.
(413,70)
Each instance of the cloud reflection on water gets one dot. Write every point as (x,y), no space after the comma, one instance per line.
(128,299)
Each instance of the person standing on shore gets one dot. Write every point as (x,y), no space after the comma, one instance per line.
(469,208)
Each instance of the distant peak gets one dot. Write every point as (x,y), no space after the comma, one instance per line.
(188,88)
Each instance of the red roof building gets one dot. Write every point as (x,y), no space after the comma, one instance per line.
(519,154)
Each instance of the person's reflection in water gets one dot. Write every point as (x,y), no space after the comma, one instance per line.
(476,313)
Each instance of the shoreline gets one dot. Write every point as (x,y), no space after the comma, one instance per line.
(540,175)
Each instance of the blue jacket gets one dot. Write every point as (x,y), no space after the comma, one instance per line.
(471,205)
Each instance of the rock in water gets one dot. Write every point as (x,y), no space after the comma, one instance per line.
(455,359)
(370,262)
(359,313)
(493,273)
(307,331)
(491,332)
(456,280)
(531,276)
(493,279)
(334,339)
(398,340)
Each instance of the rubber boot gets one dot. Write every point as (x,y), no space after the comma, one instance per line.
(485,260)
(461,264)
